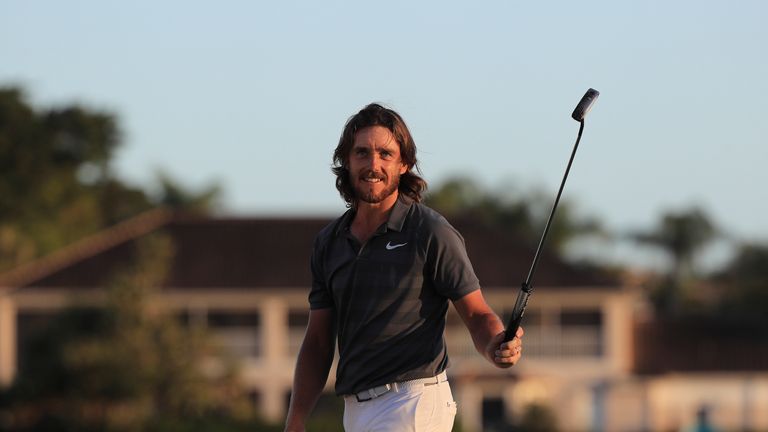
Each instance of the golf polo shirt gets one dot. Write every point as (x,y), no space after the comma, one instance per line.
(390,295)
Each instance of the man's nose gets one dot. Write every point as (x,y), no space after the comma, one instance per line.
(374,162)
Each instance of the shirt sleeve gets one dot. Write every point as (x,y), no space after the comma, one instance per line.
(448,264)
(319,294)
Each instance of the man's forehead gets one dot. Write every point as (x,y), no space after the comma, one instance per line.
(374,135)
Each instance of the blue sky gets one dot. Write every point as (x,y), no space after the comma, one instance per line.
(253,95)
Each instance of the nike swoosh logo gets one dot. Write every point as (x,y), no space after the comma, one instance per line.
(391,246)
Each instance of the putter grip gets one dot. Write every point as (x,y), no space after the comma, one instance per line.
(517,315)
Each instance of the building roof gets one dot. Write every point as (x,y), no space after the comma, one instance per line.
(267,252)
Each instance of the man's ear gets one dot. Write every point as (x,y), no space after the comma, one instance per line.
(404,168)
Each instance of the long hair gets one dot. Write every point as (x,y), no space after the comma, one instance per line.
(411,184)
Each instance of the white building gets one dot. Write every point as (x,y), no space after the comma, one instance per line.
(247,280)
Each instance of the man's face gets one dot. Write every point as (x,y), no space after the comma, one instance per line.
(375,166)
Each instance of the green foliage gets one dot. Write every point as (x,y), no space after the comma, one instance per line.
(457,425)
(41,155)
(746,281)
(126,366)
(537,418)
(749,265)
(522,214)
(211,424)
(682,235)
(174,195)
(57,183)
(328,415)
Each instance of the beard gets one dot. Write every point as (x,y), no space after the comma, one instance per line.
(364,194)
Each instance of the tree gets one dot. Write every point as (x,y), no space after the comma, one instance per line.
(41,155)
(682,235)
(174,195)
(745,279)
(125,366)
(537,417)
(510,210)
(57,183)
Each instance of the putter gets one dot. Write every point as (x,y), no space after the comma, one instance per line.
(525,290)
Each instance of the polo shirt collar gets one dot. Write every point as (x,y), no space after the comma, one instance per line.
(396,216)
(345,222)
(399,212)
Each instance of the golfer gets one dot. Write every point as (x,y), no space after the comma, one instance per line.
(382,277)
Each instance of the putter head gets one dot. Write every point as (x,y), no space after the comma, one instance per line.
(585,104)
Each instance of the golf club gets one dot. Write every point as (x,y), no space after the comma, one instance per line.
(585,104)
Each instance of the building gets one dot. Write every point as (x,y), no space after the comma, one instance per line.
(247,281)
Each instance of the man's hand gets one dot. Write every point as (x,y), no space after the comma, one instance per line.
(487,331)
(505,354)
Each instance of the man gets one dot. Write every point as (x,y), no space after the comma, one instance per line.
(383,274)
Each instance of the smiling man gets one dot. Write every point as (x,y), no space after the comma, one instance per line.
(383,275)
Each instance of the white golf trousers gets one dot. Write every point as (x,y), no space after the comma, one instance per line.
(413,408)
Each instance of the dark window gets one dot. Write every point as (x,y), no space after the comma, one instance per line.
(254,396)
(298,318)
(581,318)
(183,317)
(31,323)
(493,415)
(30,326)
(531,317)
(582,332)
(39,331)
(223,319)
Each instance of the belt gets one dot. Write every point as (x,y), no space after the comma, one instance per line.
(374,392)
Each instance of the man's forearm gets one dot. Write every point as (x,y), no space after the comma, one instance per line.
(312,369)
(487,331)
(483,328)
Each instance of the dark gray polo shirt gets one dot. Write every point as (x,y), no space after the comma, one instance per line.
(390,295)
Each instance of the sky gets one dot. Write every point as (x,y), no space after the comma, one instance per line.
(253,95)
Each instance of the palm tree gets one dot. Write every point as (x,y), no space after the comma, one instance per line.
(682,235)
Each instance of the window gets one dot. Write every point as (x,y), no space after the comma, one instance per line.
(493,414)
(581,318)
(582,332)
(298,318)
(237,330)
(229,319)
(554,332)
(29,326)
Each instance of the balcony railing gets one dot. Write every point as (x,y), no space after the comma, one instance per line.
(241,342)
(549,342)
(545,342)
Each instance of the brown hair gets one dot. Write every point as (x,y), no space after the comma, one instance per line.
(411,184)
